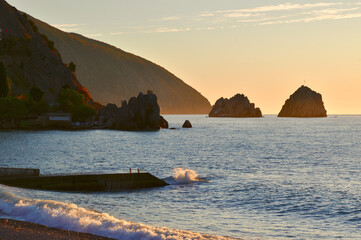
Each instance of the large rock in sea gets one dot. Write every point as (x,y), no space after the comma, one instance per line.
(237,106)
(139,113)
(304,103)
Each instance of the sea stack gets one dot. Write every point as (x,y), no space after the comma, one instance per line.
(304,103)
(237,106)
(138,114)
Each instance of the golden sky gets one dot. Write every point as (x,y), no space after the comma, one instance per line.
(264,49)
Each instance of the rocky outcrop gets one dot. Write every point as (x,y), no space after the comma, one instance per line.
(30,58)
(304,103)
(163,123)
(187,124)
(112,74)
(139,113)
(237,106)
(107,115)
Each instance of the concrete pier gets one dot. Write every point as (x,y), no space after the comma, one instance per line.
(85,182)
(18,172)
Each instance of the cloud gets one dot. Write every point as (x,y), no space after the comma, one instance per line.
(316,18)
(68,29)
(332,11)
(117,33)
(281,7)
(166,29)
(206,15)
(240,15)
(171,18)
(284,13)
(291,13)
(94,35)
(66,25)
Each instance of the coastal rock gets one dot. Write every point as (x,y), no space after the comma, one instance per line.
(162,122)
(304,103)
(187,124)
(139,113)
(107,114)
(237,106)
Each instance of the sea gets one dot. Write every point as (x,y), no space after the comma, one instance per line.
(241,178)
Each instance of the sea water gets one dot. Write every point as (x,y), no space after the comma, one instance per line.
(268,178)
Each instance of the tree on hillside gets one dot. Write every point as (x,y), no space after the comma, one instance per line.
(36,94)
(75,103)
(72,67)
(4,85)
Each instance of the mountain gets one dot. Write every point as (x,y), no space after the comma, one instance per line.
(113,75)
(304,103)
(30,58)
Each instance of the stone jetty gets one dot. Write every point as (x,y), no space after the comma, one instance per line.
(24,178)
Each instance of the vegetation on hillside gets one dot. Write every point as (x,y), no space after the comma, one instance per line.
(76,103)
(4,83)
(72,67)
(17,107)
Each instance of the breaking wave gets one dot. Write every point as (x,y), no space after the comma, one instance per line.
(185,175)
(72,217)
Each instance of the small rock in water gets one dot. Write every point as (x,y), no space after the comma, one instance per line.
(187,124)
(162,122)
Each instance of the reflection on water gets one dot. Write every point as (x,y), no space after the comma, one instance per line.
(269,177)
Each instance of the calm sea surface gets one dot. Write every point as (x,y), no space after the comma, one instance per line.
(268,178)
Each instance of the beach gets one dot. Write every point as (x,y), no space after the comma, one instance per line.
(13,229)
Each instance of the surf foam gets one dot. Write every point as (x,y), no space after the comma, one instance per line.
(182,175)
(72,217)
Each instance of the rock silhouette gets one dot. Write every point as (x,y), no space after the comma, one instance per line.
(139,113)
(237,106)
(163,123)
(187,124)
(304,103)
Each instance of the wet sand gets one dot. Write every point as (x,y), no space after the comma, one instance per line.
(14,230)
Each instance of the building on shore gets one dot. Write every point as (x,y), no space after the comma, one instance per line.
(62,120)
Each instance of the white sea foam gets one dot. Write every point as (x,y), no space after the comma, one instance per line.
(75,218)
(185,175)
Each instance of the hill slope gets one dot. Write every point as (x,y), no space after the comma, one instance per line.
(30,58)
(113,75)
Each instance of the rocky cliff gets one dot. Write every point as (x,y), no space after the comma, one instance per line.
(237,106)
(304,103)
(30,58)
(113,75)
(139,113)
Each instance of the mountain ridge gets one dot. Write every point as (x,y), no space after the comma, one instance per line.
(30,58)
(113,75)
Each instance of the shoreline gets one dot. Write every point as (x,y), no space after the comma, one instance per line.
(14,229)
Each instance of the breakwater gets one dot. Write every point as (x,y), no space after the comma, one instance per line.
(82,182)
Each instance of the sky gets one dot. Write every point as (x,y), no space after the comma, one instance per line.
(264,49)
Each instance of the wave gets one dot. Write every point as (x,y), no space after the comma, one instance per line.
(74,218)
(182,176)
